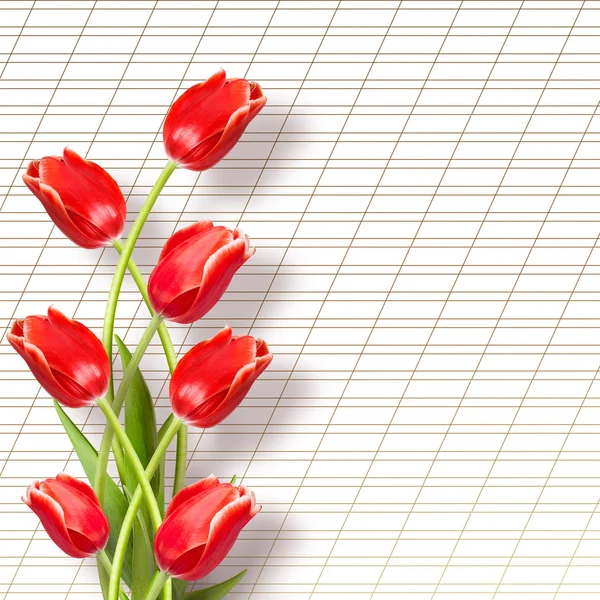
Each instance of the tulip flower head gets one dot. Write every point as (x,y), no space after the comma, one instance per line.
(66,358)
(194,269)
(205,123)
(70,513)
(213,378)
(201,525)
(82,199)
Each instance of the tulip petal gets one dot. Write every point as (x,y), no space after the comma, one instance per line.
(209,406)
(249,252)
(224,530)
(55,208)
(217,275)
(177,113)
(201,113)
(67,359)
(33,169)
(184,271)
(238,390)
(255,91)
(41,370)
(95,175)
(83,543)
(72,387)
(80,486)
(222,366)
(262,349)
(200,161)
(188,492)
(227,386)
(71,349)
(80,513)
(81,335)
(88,229)
(216,410)
(86,190)
(184,234)
(238,123)
(198,158)
(188,527)
(188,560)
(52,517)
(182,389)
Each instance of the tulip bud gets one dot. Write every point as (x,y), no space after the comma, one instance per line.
(201,525)
(194,270)
(70,513)
(82,199)
(205,123)
(212,379)
(66,358)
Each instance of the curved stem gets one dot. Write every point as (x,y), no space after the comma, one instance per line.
(134,233)
(163,332)
(167,344)
(181,459)
(104,563)
(134,459)
(119,459)
(134,505)
(107,436)
(113,296)
(156,585)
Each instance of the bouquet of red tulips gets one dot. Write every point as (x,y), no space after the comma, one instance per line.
(140,547)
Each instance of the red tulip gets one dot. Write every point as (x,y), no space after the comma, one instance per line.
(194,270)
(82,199)
(70,513)
(212,379)
(66,358)
(200,527)
(205,123)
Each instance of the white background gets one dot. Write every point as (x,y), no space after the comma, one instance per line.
(422,188)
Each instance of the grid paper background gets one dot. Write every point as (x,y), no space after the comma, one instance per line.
(422,190)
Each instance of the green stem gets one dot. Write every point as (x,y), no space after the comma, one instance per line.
(156,585)
(134,505)
(119,460)
(136,464)
(167,344)
(168,590)
(115,289)
(181,459)
(107,436)
(163,332)
(104,563)
(127,251)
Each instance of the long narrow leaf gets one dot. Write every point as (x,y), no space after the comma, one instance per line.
(115,503)
(140,426)
(216,592)
(179,586)
(140,420)
(160,496)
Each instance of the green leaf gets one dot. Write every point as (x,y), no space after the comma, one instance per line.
(216,592)
(160,496)
(179,587)
(143,557)
(115,503)
(104,578)
(140,426)
(140,421)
